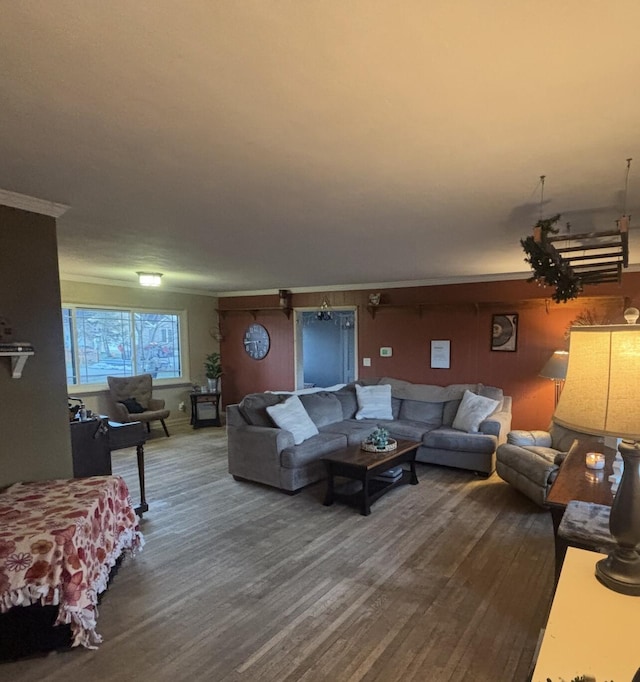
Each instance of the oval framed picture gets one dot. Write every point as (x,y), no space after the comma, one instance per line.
(504,332)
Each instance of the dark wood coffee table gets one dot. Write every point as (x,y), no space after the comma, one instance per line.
(359,465)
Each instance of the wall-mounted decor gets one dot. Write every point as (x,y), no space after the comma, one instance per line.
(441,354)
(256,341)
(504,332)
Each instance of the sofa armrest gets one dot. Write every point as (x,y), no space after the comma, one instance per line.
(498,425)
(527,463)
(254,452)
(156,404)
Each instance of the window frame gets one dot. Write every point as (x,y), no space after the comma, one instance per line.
(82,388)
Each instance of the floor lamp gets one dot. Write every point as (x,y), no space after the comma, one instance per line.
(600,396)
(556,368)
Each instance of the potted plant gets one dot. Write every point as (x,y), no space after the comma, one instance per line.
(213,371)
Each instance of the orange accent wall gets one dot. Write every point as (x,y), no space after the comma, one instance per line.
(461,313)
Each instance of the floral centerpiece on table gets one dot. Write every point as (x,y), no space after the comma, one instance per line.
(379,441)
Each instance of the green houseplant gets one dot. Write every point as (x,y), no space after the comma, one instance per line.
(213,370)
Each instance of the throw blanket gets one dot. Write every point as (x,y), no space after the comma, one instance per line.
(58,542)
(427,393)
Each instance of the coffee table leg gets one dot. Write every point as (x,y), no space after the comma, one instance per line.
(414,475)
(366,506)
(328,498)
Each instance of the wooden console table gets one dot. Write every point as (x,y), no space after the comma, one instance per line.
(576,482)
(591,630)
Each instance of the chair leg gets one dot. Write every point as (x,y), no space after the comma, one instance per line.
(164,426)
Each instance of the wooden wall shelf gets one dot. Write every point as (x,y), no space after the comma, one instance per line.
(580,302)
(254,312)
(18,361)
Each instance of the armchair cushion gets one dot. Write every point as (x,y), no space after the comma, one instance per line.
(529,438)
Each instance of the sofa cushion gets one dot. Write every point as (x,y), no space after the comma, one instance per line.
(473,410)
(311,450)
(291,416)
(348,401)
(323,408)
(405,428)
(416,410)
(356,431)
(449,411)
(374,402)
(446,438)
(492,392)
(253,408)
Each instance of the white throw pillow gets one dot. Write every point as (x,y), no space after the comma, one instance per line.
(374,402)
(291,416)
(473,410)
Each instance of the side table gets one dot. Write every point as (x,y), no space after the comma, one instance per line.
(204,409)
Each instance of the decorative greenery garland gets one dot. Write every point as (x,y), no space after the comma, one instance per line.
(548,267)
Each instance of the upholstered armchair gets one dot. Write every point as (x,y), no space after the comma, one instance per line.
(132,402)
(530,460)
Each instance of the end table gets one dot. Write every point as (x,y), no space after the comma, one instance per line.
(204,409)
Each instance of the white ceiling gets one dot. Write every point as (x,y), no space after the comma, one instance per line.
(256,145)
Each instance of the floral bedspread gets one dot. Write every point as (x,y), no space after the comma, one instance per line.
(59,540)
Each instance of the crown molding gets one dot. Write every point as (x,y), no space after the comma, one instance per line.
(33,204)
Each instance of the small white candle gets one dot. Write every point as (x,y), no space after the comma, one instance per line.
(594,460)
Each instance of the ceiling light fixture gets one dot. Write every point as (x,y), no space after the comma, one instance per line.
(149,279)
(324,314)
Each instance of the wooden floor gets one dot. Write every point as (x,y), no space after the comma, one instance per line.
(449,580)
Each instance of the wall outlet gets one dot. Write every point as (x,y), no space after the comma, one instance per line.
(386,352)
(181,406)
(366,362)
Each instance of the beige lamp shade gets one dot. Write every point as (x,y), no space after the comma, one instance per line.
(600,394)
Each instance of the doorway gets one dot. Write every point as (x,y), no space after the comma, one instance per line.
(325,347)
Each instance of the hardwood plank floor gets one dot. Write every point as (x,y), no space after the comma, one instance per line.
(446,581)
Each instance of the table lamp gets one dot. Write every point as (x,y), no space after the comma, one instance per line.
(600,397)
(556,368)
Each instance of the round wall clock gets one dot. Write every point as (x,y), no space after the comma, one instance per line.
(256,341)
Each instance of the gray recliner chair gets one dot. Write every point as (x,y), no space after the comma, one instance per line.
(530,460)
(132,401)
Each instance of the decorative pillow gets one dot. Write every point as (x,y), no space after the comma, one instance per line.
(473,410)
(374,402)
(291,416)
(132,405)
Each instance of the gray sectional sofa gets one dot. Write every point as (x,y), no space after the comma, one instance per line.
(260,451)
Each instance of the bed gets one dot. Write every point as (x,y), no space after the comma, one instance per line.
(59,541)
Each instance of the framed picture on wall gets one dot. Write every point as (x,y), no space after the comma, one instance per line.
(440,354)
(504,332)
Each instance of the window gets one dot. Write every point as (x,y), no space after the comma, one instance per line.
(101,342)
